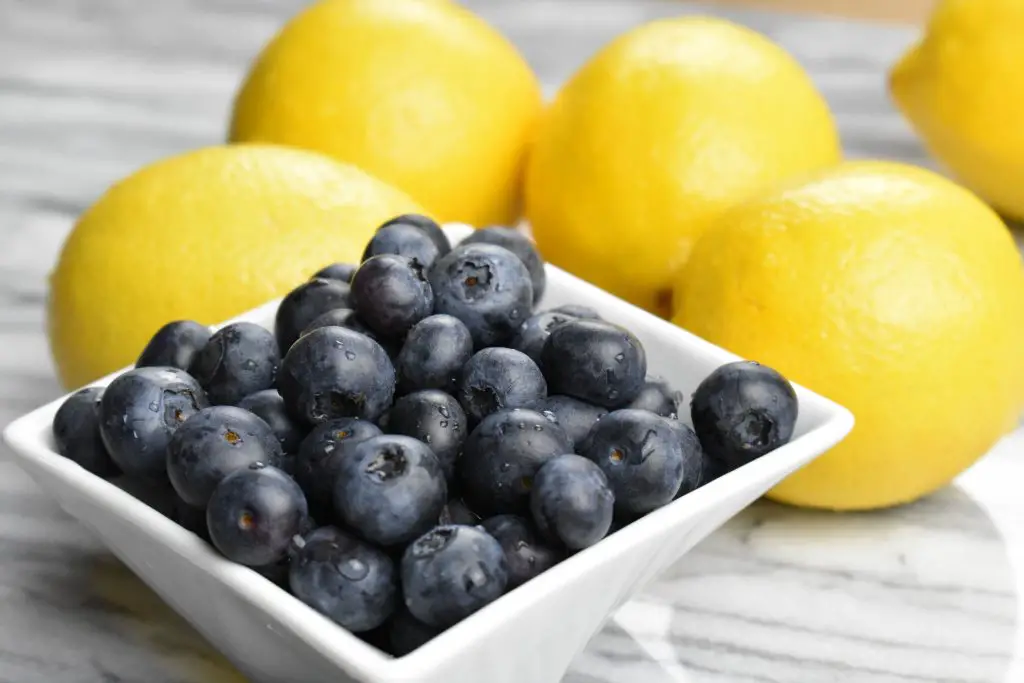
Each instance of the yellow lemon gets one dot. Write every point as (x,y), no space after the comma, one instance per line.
(888,289)
(423,95)
(662,130)
(962,87)
(205,235)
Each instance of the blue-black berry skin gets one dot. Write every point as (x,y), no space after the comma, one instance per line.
(402,239)
(345,579)
(451,572)
(526,555)
(342,272)
(306,303)
(253,515)
(335,372)
(577,311)
(498,378)
(502,455)
(391,294)
(658,397)
(433,354)
(174,345)
(571,502)
(598,362)
(320,456)
(436,419)
(534,332)
(427,225)
(486,287)
(520,245)
(390,489)
(269,406)
(642,456)
(407,633)
(575,416)
(698,468)
(457,512)
(743,410)
(240,359)
(139,412)
(349,319)
(76,432)
(212,444)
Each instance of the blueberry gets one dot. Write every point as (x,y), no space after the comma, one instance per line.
(212,444)
(501,457)
(341,272)
(571,502)
(534,332)
(335,372)
(431,228)
(269,406)
(139,412)
(698,469)
(743,410)
(642,456)
(497,378)
(306,303)
(390,489)
(254,513)
(407,633)
(456,511)
(240,359)
(657,397)
(402,239)
(174,345)
(451,572)
(347,318)
(486,287)
(598,362)
(525,555)
(436,419)
(520,245)
(577,311)
(320,455)
(391,294)
(349,581)
(190,518)
(576,417)
(433,354)
(76,432)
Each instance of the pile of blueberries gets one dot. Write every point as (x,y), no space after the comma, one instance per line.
(450,442)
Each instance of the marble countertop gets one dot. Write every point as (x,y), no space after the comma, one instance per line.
(90,90)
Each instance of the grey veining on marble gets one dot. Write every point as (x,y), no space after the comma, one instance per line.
(92,89)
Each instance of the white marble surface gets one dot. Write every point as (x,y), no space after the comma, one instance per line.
(91,89)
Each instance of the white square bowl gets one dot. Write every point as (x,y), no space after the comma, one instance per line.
(530,635)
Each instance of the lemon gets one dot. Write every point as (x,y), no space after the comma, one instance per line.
(962,87)
(204,235)
(888,289)
(662,130)
(423,95)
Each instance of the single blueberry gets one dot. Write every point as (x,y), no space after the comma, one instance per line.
(698,468)
(306,303)
(349,581)
(743,410)
(501,457)
(254,513)
(576,311)
(598,362)
(576,417)
(174,345)
(427,225)
(520,245)
(269,406)
(341,272)
(212,444)
(320,455)
(497,378)
(336,372)
(402,239)
(451,572)
(433,354)
(642,456)
(534,332)
(436,419)
(76,432)
(571,501)
(486,287)
(456,511)
(240,359)
(140,410)
(525,555)
(658,397)
(407,633)
(391,294)
(390,489)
